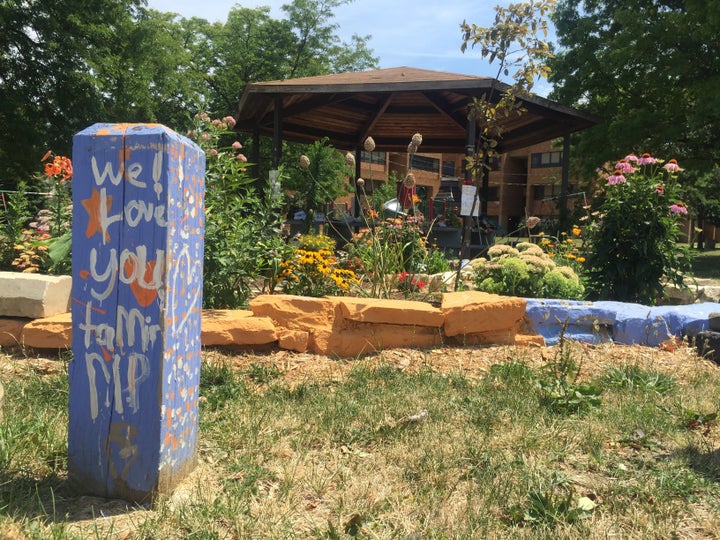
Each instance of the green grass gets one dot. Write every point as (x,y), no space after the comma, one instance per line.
(388,452)
(706,264)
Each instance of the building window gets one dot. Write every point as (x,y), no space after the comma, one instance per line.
(538,192)
(448,168)
(374,157)
(424,163)
(546,159)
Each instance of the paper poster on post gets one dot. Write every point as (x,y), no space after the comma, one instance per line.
(467,197)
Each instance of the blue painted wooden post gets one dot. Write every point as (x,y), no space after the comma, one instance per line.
(136,305)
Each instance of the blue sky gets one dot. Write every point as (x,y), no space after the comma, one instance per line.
(419,33)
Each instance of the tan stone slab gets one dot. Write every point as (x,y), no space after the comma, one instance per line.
(362,338)
(297,312)
(236,327)
(475,312)
(33,296)
(293,340)
(49,333)
(11,331)
(386,311)
(527,340)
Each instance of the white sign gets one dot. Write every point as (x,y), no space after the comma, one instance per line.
(467,198)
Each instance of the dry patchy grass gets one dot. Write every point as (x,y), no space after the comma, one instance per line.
(441,443)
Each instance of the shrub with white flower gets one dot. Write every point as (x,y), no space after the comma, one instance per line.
(525,270)
(630,241)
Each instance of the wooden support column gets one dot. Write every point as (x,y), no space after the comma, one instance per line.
(565,185)
(277,133)
(137,287)
(255,158)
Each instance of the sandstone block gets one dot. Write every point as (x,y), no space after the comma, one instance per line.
(403,312)
(49,333)
(11,331)
(296,312)
(293,340)
(33,295)
(236,327)
(360,338)
(527,340)
(475,312)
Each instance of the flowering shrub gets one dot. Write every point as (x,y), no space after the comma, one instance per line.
(631,236)
(313,270)
(565,251)
(527,271)
(243,243)
(391,247)
(409,284)
(44,244)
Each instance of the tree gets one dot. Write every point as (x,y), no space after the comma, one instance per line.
(516,40)
(46,75)
(65,66)
(252,47)
(319,178)
(650,70)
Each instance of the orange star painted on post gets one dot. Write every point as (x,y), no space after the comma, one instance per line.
(95,213)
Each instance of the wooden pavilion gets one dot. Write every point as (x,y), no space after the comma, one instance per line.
(392,104)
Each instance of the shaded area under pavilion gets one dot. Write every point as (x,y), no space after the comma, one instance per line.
(392,104)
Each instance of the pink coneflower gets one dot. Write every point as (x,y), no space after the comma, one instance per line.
(672,166)
(646,159)
(616,178)
(624,167)
(678,208)
(631,158)
(660,189)
(241,157)
(236,145)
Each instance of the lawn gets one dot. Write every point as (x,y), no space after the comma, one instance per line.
(706,264)
(573,441)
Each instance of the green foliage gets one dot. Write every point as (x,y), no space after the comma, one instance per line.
(318,179)
(388,248)
(560,390)
(312,269)
(631,237)
(649,73)
(40,241)
(121,62)
(435,261)
(551,508)
(243,245)
(17,214)
(262,373)
(517,41)
(636,378)
(526,271)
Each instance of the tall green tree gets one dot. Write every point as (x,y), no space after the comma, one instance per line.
(47,80)
(252,47)
(650,69)
(66,64)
